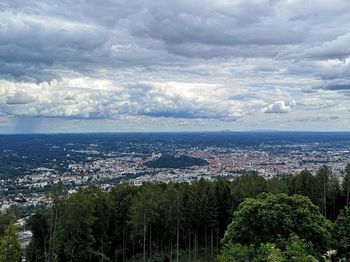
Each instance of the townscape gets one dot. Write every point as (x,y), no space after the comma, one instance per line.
(90,163)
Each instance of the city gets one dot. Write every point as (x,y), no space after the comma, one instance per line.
(89,163)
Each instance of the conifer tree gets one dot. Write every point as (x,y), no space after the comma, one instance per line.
(346,185)
(10,250)
(342,235)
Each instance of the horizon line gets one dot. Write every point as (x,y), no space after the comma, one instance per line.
(174,132)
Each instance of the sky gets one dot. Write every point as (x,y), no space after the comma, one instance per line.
(175,65)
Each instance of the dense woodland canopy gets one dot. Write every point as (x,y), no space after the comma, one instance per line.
(168,161)
(287,218)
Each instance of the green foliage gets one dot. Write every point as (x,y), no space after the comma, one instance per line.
(304,184)
(143,215)
(270,217)
(10,250)
(5,220)
(346,185)
(297,250)
(248,186)
(252,253)
(39,246)
(342,235)
(293,250)
(278,184)
(156,222)
(73,238)
(268,252)
(168,161)
(322,185)
(237,253)
(120,198)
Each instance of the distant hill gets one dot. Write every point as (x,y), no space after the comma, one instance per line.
(168,161)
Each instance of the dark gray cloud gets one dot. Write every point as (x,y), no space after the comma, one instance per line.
(338,84)
(19,98)
(317,119)
(78,34)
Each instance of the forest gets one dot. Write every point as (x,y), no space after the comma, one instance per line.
(301,217)
(168,161)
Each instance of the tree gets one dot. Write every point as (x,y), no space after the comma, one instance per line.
(247,186)
(74,239)
(346,184)
(5,219)
(278,184)
(327,191)
(172,205)
(270,217)
(102,221)
(121,198)
(341,234)
(10,250)
(143,213)
(235,252)
(268,252)
(223,205)
(39,246)
(295,250)
(191,210)
(152,221)
(57,193)
(304,184)
(333,193)
(322,182)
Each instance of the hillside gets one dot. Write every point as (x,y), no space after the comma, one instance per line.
(168,161)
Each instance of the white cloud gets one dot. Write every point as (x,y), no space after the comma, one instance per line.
(280,107)
(93,98)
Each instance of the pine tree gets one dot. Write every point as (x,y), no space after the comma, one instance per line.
(322,183)
(342,235)
(10,250)
(346,184)
(73,238)
(143,213)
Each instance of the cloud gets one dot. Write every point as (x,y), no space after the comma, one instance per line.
(279,107)
(210,59)
(343,84)
(84,35)
(337,48)
(101,99)
(317,119)
(20,98)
